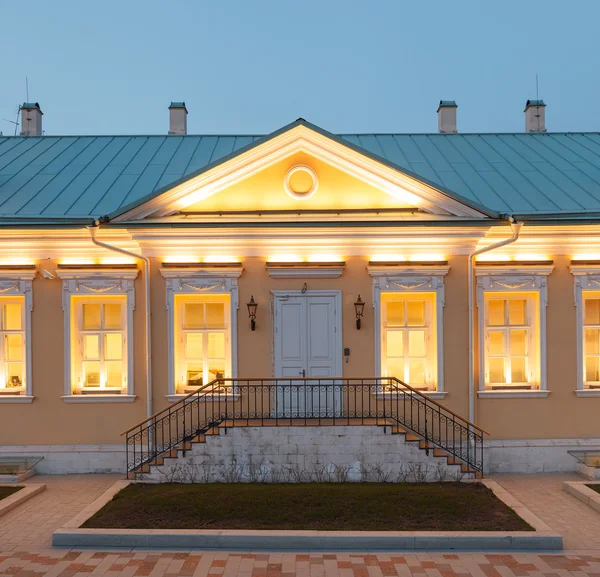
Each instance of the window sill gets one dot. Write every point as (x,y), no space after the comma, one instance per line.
(177,397)
(588,392)
(430,394)
(98,398)
(516,394)
(16,398)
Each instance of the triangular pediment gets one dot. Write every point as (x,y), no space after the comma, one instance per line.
(299,168)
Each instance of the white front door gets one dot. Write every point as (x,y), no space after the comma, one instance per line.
(307,344)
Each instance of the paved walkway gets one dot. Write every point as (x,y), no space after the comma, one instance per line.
(25,550)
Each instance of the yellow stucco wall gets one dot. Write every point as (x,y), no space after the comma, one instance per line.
(49,420)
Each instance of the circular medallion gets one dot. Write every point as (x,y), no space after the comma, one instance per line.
(300,182)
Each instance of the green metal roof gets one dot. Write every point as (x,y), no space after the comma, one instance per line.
(69,177)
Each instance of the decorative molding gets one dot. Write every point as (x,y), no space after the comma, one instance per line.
(514,278)
(516,394)
(300,195)
(586,278)
(305,269)
(97,281)
(301,138)
(199,280)
(18,281)
(98,398)
(408,278)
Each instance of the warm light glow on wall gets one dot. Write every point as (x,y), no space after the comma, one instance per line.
(181,258)
(117,260)
(217,258)
(497,257)
(388,258)
(404,258)
(324,258)
(16,261)
(285,258)
(77,261)
(426,257)
(587,256)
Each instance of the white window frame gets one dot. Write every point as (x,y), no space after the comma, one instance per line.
(96,282)
(496,280)
(192,280)
(18,284)
(586,279)
(410,280)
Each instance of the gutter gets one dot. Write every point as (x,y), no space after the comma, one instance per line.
(93,229)
(516,228)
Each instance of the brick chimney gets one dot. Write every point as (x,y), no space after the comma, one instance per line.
(31,119)
(447,117)
(178,118)
(535,116)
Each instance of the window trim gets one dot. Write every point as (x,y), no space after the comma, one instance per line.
(199,281)
(92,282)
(411,279)
(513,279)
(18,283)
(586,279)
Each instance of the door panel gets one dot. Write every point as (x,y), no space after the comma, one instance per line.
(305,340)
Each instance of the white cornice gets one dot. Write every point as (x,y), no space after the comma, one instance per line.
(303,271)
(301,139)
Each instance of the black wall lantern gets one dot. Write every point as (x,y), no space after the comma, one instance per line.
(359,307)
(252,306)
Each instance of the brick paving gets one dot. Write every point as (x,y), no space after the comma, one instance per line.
(25,551)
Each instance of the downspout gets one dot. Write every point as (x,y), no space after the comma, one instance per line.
(516,227)
(146,261)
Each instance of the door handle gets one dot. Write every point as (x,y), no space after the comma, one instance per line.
(303,373)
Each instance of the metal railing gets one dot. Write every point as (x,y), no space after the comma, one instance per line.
(383,401)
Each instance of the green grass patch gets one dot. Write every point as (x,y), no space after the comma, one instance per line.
(7,491)
(318,506)
(595,487)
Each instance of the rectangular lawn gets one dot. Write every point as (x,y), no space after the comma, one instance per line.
(7,491)
(326,506)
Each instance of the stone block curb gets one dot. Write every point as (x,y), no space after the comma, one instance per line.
(579,490)
(9,503)
(542,539)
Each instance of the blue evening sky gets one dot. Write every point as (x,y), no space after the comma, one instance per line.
(251,66)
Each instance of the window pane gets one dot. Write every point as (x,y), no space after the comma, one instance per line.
(91,347)
(592,341)
(91,373)
(114,374)
(516,312)
(194,315)
(497,370)
(14,374)
(112,316)
(416,343)
(416,372)
(395,314)
(416,313)
(592,369)
(216,370)
(215,315)
(14,347)
(194,375)
(518,342)
(113,347)
(517,367)
(495,312)
(592,312)
(394,343)
(395,368)
(91,316)
(216,345)
(193,346)
(496,343)
(12,317)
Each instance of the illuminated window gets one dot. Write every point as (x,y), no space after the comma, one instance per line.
(99,359)
(511,334)
(202,338)
(409,338)
(13,350)
(591,340)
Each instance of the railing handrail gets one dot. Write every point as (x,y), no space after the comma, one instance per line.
(433,401)
(290,379)
(170,407)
